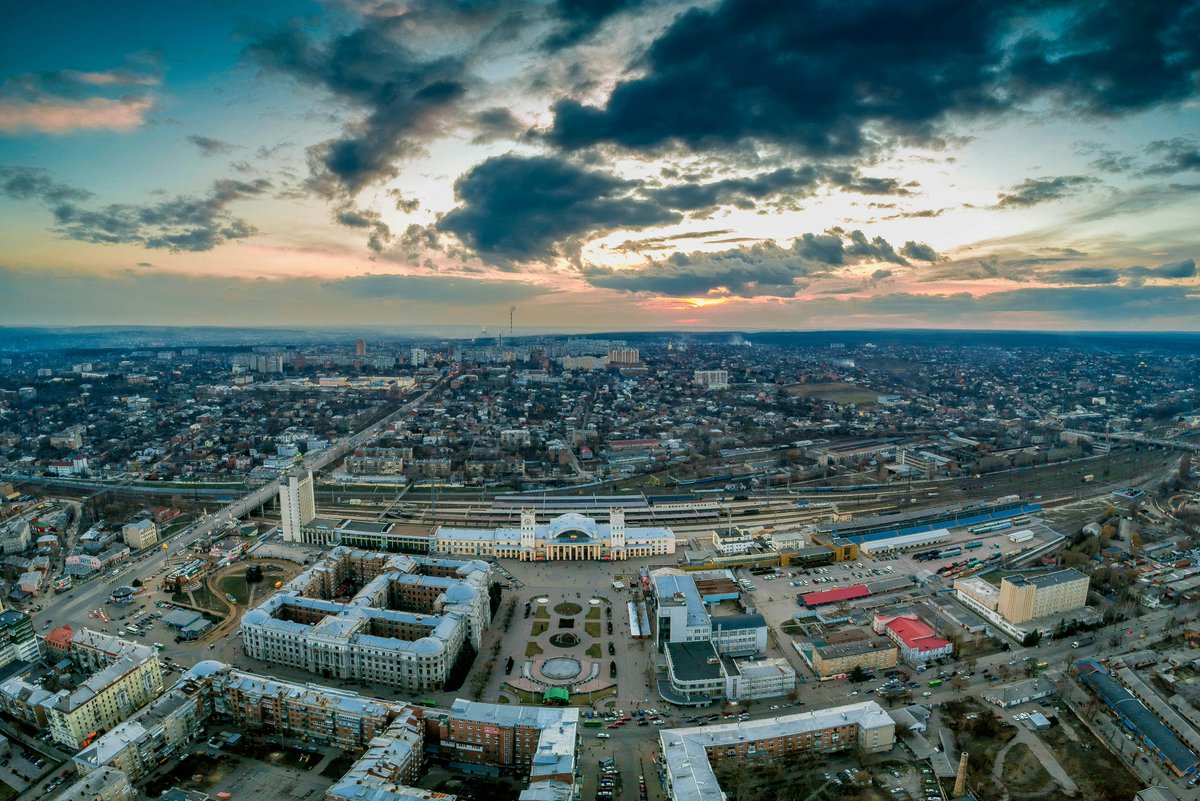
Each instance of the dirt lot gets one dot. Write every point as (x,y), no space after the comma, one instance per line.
(1099,775)
(1022,771)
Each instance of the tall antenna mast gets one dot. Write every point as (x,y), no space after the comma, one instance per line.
(511,310)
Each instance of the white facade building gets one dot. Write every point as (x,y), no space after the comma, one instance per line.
(566,537)
(443,605)
(297,505)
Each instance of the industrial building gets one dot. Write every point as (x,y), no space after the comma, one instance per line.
(1134,714)
(390,618)
(569,536)
(904,542)
(689,756)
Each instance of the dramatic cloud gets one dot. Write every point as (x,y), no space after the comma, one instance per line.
(401,95)
(70,100)
(764,269)
(582,18)
(183,223)
(831,79)
(519,208)
(1033,191)
(209,146)
(1175,155)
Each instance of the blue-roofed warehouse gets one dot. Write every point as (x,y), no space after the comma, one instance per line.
(1138,718)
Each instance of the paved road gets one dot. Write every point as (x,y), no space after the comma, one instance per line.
(73,606)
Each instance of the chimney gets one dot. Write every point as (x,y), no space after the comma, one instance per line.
(960,781)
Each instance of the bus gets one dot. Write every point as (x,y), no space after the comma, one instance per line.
(935,682)
(594,723)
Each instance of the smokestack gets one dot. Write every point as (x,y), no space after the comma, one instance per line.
(960,781)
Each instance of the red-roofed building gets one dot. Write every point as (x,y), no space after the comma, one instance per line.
(59,640)
(917,642)
(823,597)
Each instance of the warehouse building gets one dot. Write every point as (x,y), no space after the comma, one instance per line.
(905,542)
(1138,718)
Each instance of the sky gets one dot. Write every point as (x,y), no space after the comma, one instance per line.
(591,165)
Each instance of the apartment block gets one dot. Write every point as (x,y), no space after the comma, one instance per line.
(690,756)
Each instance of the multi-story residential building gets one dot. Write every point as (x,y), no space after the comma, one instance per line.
(297,505)
(377,461)
(406,622)
(140,534)
(109,784)
(17,638)
(566,537)
(690,757)
(624,356)
(14,537)
(1023,599)
(129,677)
(538,742)
(711,379)
(829,658)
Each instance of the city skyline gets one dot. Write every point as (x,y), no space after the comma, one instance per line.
(729,165)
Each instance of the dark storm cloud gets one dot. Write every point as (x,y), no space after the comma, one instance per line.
(436,289)
(209,146)
(401,95)
(517,208)
(580,19)
(514,208)
(1174,156)
(1033,191)
(829,79)
(764,269)
(183,223)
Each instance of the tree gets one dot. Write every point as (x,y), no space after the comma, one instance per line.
(959,683)
(1032,639)
(858,675)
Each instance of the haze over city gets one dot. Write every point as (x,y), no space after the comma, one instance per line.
(615,165)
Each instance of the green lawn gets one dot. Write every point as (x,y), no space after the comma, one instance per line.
(593,650)
(540,627)
(533,649)
(593,629)
(542,613)
(593,613)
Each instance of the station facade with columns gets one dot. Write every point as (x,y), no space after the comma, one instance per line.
(568,537)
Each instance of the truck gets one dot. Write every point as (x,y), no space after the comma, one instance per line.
(1084,641)
(1089,478)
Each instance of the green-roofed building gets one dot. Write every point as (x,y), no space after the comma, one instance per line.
(556,695)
